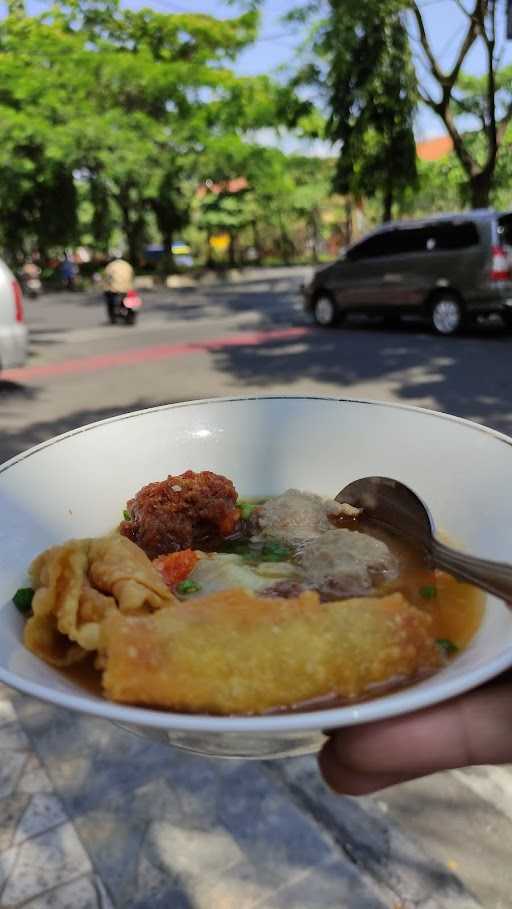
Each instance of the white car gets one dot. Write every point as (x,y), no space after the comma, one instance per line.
(13,331)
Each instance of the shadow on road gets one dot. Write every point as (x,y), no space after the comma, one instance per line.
(468,376)
(36,433)
(10,390)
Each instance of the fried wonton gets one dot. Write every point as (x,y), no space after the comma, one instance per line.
(78,585)
(236,653)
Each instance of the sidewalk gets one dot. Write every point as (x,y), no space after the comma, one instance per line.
(95,818)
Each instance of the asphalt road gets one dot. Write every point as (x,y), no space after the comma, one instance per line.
(235,340)
(438,843)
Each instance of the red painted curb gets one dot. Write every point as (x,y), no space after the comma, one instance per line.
(148,354)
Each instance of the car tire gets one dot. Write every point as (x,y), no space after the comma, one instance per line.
(447,314)
(325,311)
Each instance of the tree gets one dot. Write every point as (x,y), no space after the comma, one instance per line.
(454,93)
(362,56)
(372,100)
(125,104)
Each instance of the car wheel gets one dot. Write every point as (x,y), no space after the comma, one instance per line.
(325,311)
(447,315)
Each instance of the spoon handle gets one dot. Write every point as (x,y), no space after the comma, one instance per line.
(495,577)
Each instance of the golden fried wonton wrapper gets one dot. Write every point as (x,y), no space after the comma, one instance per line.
(236,653)
(81,582)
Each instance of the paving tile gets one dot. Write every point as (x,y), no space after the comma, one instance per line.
(84,893)
(327,887)
(45,861)
(86,758)
(34,777)
(185,852)
(116,834)
(12,737)
(5,692)
(279,839)
(11,812)
(43,811)
(11,768)
(398,863)
(7,711)
(242,886)
(113,840)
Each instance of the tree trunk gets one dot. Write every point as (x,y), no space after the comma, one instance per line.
(210,262)
(285,242)
(315,236)
(133,231)
(348,220)
(232,249)
(256,240)
(387,204)
(167,264)
(480,188)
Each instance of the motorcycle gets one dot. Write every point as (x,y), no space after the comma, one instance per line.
(31,285)
(123,307)
(32,288)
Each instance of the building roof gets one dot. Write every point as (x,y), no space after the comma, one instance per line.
(433,149)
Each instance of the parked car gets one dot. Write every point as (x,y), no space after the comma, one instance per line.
(13,331)
(450,268)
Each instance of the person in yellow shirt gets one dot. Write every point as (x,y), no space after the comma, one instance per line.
(117,281)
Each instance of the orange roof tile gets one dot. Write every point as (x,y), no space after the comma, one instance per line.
(432,149)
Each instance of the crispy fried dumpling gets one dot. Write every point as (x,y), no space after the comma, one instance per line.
(81,582)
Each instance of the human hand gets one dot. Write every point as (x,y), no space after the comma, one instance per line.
(475,728)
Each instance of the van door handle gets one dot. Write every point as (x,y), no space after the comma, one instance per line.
(392,278)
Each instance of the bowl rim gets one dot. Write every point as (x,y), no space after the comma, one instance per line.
(404,701)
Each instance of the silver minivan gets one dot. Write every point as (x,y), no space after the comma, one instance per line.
(449,268)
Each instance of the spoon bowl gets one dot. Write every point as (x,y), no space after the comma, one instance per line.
(395,507)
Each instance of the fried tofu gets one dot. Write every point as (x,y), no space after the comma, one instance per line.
(236,653)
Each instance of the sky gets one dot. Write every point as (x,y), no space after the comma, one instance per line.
(278,43)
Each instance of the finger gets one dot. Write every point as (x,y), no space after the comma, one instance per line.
(474,729)
(346,781)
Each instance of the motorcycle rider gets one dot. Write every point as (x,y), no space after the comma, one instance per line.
(118,279)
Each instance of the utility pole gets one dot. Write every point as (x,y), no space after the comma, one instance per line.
(509,20)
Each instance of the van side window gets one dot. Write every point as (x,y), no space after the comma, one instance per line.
(449,235)
(387,243)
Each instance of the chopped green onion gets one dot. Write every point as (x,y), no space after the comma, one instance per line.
(275,552)
(22,599)
(429,592)
(246,509)
(448,647)
(188,587)
(126,515)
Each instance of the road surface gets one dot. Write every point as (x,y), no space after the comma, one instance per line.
(94,817)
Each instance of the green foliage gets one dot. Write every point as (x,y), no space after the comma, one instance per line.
(111,117)
(361,55)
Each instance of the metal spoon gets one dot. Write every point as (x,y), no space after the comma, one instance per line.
(400,511)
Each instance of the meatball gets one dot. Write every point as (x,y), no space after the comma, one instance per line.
(296,515)
(343,563)
(189,511)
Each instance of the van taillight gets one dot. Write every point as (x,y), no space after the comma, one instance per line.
(18,302)
(500,268)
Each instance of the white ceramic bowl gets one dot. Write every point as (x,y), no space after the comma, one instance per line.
(78,483)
